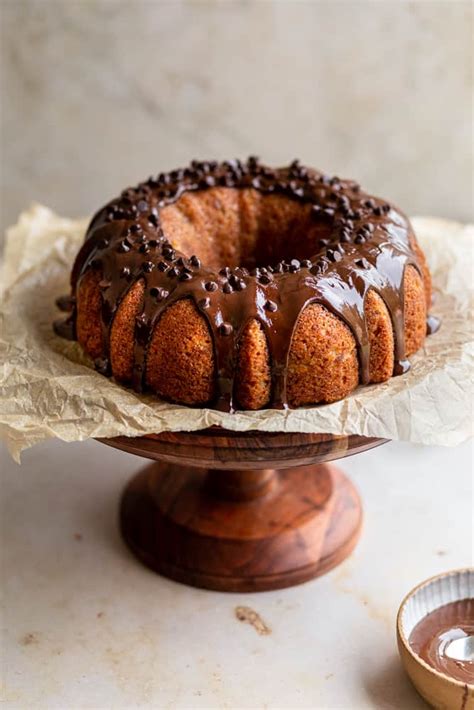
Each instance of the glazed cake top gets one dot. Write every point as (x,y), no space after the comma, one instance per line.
(366,243)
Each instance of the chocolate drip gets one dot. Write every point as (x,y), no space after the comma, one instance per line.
(66,303)
(368,248)
(65,328)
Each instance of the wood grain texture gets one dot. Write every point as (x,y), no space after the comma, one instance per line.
(217,512)
(178,523)
(224,449)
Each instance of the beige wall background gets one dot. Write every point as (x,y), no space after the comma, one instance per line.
(100,94)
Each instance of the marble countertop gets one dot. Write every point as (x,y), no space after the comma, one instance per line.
(86,626)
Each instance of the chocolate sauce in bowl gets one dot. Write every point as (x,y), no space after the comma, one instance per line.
(433,635)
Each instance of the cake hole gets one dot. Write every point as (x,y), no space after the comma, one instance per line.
(250,229)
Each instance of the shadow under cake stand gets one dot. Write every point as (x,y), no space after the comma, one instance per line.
(241,512)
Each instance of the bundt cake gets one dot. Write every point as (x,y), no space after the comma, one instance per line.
(236,285)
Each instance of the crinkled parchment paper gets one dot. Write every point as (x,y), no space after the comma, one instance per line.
(48,388)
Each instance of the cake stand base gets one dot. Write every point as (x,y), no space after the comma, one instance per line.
(240,530)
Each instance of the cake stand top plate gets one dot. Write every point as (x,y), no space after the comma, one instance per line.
(217,448)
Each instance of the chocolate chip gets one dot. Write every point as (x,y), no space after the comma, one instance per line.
(142,206)
(144,249)
(318,267)
(225,329)
(360,239)
(204,302)
(168,253)
(123,247)
(195,261)
(161,293)
(148,266)
(158,293)
(270,306)
(333,255)
(208,181)
(306,264)
(172,272)
(124,272)
(363,263)
(185,275)
(265,279)
(210,286)
(227,288)
(226,181)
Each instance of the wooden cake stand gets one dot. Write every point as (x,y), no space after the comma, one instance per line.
(241,512)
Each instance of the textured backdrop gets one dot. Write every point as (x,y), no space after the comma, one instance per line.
(100,94)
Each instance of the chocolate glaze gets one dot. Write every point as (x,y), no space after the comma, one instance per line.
(431,636)
(368,247)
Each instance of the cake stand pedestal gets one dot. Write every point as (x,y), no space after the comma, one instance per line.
(241,512)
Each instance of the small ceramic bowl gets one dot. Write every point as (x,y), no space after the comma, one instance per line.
(438,689)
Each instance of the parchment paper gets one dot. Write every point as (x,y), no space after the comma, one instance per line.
(48,389)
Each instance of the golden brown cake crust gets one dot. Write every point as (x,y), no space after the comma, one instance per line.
(174,294)
(180,362)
